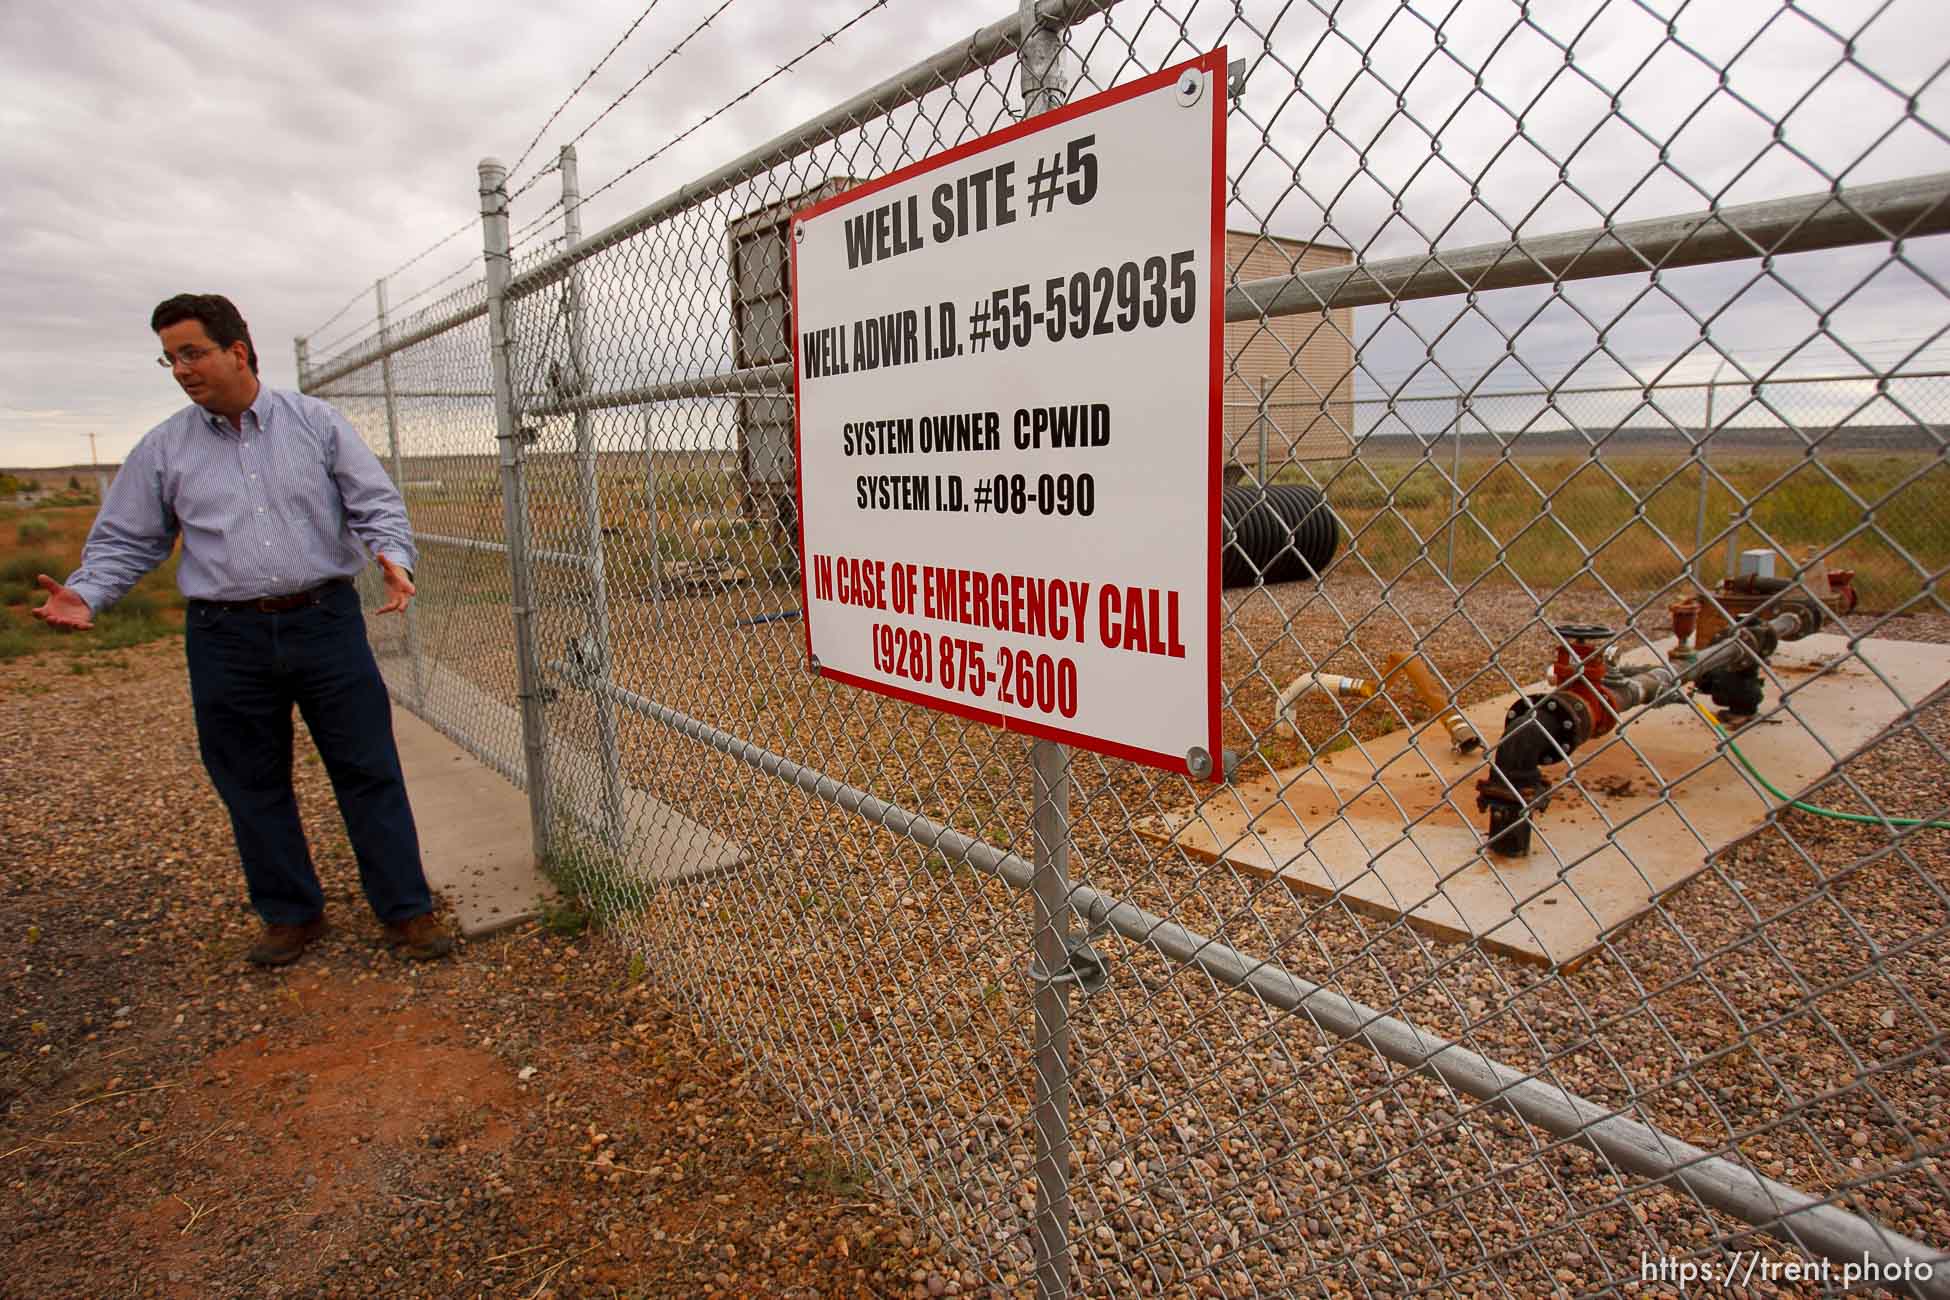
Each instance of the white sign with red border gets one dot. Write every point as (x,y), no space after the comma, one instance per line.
(1006,364)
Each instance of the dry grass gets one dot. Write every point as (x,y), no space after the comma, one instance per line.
(1627,523)
(49,540)
(1635,519)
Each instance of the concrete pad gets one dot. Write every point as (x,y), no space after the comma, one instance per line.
(661,845)
(475,830)
(1391,828)
(667,847)
(475,836)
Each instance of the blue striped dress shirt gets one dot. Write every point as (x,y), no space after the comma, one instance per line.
(290,499)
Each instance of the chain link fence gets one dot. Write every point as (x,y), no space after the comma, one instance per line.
(1508,967)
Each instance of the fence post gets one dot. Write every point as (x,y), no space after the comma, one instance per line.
(1734,514)
(1044,83)
(650,516)
(412,621)
(514,497)
(1705,482)
(1455,489)
(592,510)
(301,353)
(1261,422)
(1050,788)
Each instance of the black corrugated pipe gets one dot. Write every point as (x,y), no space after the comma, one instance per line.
(1280,533)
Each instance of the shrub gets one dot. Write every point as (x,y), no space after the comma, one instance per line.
(1419,491)
(24,565)
(1356,489)
(595,888)
(16,640)
(137,604)
(34,531)
(120,626)
(18,573)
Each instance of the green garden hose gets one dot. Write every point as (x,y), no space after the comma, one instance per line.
(1817,809)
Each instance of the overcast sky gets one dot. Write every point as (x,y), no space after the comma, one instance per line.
(289,155)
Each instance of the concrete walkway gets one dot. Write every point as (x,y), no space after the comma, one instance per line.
(475,836)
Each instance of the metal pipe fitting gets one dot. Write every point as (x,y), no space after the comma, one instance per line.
(1463,737)
(1344,688)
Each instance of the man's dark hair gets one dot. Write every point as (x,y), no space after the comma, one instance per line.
(218,315)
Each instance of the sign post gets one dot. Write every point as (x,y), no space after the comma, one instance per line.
(1006,366)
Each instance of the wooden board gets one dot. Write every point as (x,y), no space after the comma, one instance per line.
(1391,826)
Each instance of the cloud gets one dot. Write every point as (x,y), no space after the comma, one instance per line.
(289,155)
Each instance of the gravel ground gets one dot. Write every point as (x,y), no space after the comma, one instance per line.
(531,1118)
(1787,1005)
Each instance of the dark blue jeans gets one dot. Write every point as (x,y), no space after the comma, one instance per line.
(247,669)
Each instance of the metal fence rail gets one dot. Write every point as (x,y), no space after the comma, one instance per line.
(1320,1028)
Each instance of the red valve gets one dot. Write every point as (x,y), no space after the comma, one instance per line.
(1841,585)
(1579,670)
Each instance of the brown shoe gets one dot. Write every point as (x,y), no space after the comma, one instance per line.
(280,945)
(420,938)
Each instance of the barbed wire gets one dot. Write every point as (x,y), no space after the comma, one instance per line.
(669,54)
(520,236)
(825,39)
(607,110)
(367,328)
(333,319)
(407,265)
(395,311)
(471,264)
(627,33)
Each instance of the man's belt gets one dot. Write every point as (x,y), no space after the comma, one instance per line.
(283,604)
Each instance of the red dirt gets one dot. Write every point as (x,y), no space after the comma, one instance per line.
(528,1118)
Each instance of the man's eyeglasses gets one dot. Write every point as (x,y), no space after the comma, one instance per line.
(188,356)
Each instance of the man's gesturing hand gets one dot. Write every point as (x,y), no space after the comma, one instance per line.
(399,587)
(63,609)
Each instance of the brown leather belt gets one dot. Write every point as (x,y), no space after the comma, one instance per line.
(283,604)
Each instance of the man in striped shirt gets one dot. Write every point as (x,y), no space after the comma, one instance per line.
(278,504)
